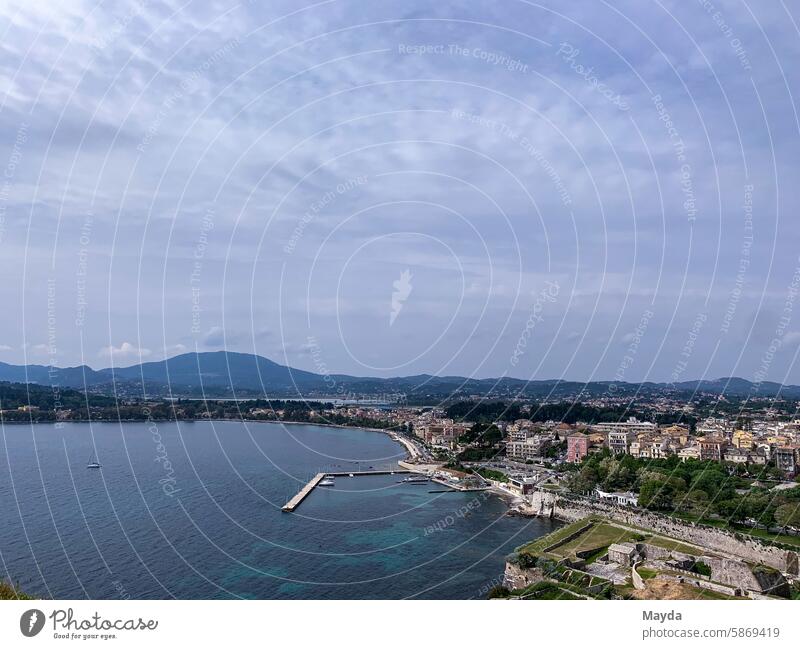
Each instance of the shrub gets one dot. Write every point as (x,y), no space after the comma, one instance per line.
(499,592)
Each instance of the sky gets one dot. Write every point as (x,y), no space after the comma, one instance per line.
(584,190)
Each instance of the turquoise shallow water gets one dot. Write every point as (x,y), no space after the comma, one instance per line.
(192,510)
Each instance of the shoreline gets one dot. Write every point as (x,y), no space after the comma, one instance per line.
(410,449)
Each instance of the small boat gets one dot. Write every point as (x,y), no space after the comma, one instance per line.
(416,479)
(93,463)
(352,475)
(327,482)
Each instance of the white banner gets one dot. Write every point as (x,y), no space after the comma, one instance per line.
(354,624)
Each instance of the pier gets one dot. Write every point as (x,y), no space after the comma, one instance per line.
(301,495)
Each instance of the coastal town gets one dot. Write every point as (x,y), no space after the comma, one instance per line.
(654,499)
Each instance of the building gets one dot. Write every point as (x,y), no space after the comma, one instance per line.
(527,444)
(737,455)
(522,486)
(577,447)
(712,448)
(689,453)
(619,441)
(441,432)
(618,497)
(622,553)
(633,425)
(786,459)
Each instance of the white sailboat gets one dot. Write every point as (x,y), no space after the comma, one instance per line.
(93,463)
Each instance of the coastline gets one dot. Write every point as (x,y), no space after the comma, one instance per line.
(411,450)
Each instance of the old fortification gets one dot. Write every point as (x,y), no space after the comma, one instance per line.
(572,508)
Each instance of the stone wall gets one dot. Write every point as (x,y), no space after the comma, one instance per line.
(547,503)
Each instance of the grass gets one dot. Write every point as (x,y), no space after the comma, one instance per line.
(755,532)
(554,537)
(547,590)
(647,573)
(7,591)
(600,535)
(671,544)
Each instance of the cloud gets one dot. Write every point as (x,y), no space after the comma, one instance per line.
(791,338)
(5,348)
(125,351)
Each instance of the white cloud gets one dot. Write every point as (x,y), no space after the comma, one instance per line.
(124,351)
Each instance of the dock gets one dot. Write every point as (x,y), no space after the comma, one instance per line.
(301,495)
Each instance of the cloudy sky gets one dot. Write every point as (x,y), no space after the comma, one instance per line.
(586,190)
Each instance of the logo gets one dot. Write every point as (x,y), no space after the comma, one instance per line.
(31,622)
(402,289)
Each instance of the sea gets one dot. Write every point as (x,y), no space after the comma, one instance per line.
(192,510)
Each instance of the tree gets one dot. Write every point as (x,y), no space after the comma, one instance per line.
(788,515)
(657,495)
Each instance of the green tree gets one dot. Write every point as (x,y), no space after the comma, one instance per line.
(788,515)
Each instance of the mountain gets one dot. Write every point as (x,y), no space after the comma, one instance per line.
(224,374)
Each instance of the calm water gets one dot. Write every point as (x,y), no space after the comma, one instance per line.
(199,516)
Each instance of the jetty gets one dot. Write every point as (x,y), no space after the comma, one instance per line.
(301,495)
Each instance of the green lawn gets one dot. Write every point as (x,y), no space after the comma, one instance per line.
(647,573)
(554,537)
(671,544)
(600,535)
(547,590)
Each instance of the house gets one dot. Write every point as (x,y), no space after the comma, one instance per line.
(786,459)
(618,497)
(619,441)
(622,553)
(736,455)
(577,447)
(633,425)
(689,453)
(522,486)
(712,448)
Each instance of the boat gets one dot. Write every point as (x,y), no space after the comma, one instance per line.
(327,481)
(352,475)
(416,479)
(93,463)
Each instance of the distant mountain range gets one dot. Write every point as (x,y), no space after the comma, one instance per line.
(225,374)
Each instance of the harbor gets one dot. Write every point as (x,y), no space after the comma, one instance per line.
(326,479)
(301,495)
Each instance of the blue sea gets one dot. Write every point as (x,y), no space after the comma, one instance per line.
(192,510)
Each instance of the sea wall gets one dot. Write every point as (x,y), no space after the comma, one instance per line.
(549,504)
